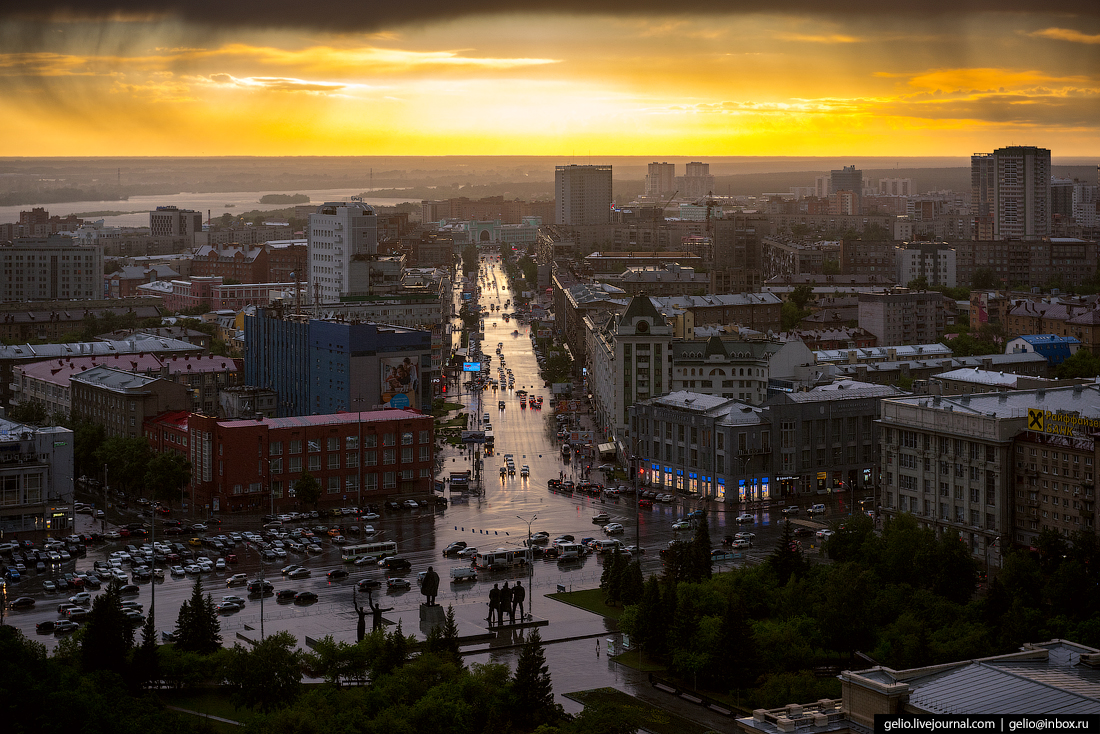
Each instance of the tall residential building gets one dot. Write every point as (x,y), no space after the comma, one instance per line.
(848,179)
(895,187)
(338,231)
(582,195)
(696,181)
(50,268)
(902,316)
(1012,187)
(170,221)
(661,180)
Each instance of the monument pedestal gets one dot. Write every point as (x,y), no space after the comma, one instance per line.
(431,617)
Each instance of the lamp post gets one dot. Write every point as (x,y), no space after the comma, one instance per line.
(263,581)
(530,565)
(103,520)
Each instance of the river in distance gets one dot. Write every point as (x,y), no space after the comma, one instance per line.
(232,202)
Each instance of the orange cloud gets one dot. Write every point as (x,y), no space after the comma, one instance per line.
(1066,34)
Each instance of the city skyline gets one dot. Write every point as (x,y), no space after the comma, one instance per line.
(195,78)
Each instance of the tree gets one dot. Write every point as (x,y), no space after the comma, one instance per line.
(268,676)
(920,283)
(308,490)
(469,259)
(197,627)
(787,560)
(167,474)
(87,438)
(699,567)
(984,278)
(790,315)
(126,460)
(145,666)
(633,583)
(532,689)
(108,634)
(801,295)
(1081,364)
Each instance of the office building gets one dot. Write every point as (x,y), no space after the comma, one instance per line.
(998,468)
(357,458)
(36,480)
(1010,193)
(50,268)
(170,221)
(582,195)
(337,232)
(320,366)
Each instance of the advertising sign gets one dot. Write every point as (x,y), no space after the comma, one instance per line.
(543,334)
(400,381)
(1061,424)
(471,366)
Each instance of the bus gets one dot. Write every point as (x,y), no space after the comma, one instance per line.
(501,559)
(376,550)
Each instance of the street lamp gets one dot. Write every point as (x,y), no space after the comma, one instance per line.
(263,582)
(530,565)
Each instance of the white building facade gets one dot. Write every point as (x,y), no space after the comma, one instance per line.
(337,232)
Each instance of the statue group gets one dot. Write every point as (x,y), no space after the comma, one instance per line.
(506,599)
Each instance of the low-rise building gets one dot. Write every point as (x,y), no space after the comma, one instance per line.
(903,371)
(120,401)
(1056,349)
(902,316)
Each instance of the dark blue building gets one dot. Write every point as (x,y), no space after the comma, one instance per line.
(324,366)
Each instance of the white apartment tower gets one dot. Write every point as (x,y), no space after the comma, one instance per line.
(1013,185)
(661,181)
(338,231)
(582,195)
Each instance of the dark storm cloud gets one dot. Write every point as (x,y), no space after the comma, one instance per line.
(373,16)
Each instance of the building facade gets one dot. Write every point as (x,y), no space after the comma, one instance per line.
(357,458)
(50,268)
(170,221)
(36,479)
(321,366)
(120,401)
(902,316)
(1010,193)
(934,261)
(337,232)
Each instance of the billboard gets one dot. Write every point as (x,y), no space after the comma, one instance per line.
(471,366)
(400,382)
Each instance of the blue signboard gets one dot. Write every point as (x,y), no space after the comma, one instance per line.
(471,366)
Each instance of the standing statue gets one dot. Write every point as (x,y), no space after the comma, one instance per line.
(505,603)
(518,595)
(430,586)
(361,629)
(494,602)
(376,610)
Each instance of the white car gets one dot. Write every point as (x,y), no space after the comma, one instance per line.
(681,525)
(745,536)
(614,528)
(825,534)
(82,598)
(745,517)
(220,564)
(178,571)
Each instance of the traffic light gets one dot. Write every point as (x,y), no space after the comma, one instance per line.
(444,389)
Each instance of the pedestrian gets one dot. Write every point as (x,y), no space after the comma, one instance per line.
(597,647)
(505,603)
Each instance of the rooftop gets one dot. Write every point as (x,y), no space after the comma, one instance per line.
(332,419)
(1081,400)
(133,345)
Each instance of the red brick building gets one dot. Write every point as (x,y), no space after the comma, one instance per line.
(266,263)
(246,465)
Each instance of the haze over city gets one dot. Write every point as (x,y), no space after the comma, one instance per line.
(490,78)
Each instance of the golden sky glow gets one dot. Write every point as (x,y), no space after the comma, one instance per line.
(556,84)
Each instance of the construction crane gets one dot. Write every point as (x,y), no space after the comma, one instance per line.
(661,208)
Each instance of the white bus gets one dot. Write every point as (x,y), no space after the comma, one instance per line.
(376,550)
(502,558)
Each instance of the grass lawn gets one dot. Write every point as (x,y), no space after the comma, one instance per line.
(590,600)
(636,660)
(650,717)
(208,702)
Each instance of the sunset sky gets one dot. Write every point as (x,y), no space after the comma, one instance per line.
(487,77)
